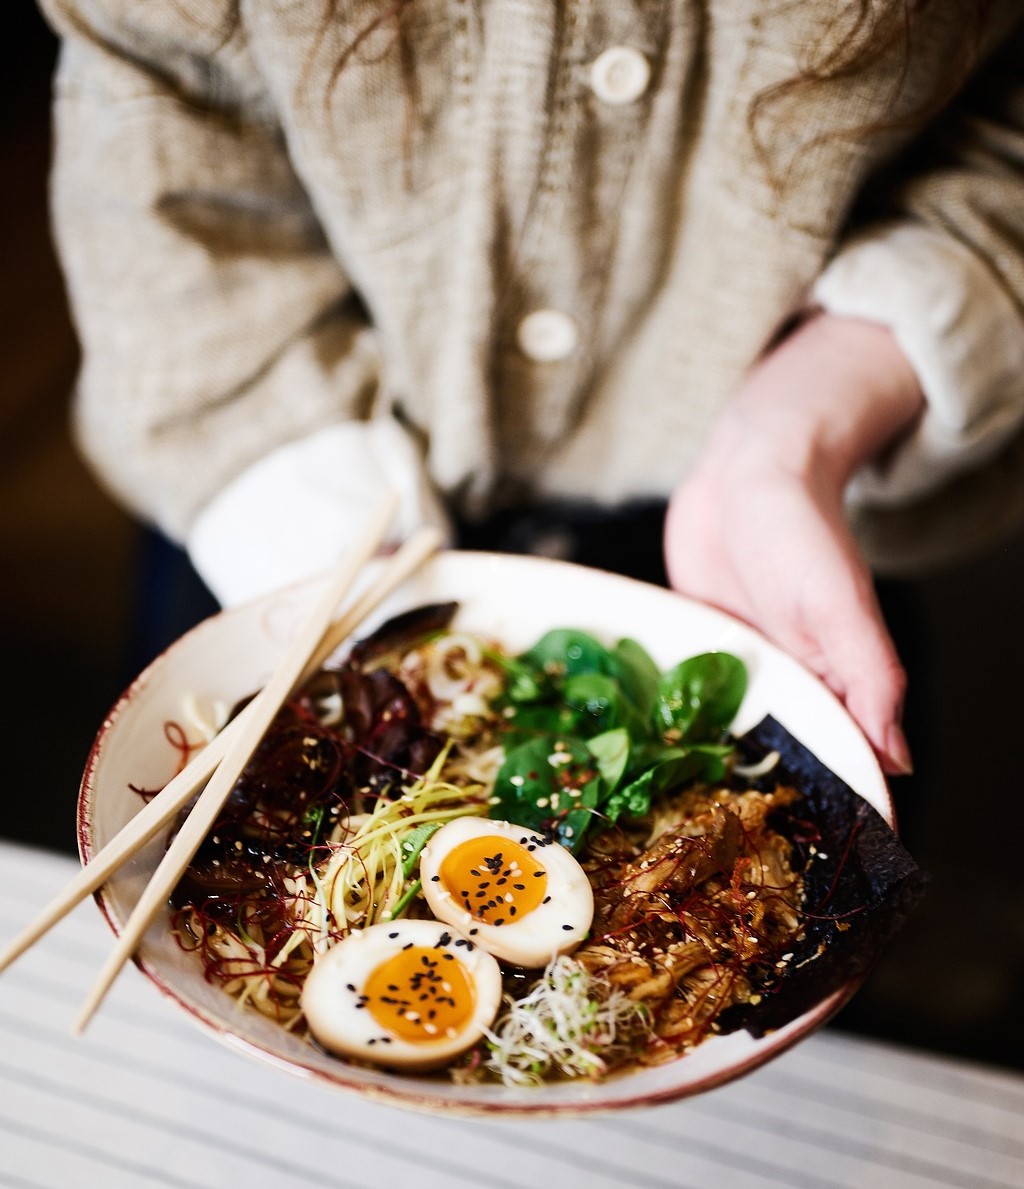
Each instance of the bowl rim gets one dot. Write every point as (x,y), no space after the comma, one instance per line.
(402,1092)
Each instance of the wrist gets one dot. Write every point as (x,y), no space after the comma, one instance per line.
(833,395)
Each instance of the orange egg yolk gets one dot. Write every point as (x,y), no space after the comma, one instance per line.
(421,994)
(495,880)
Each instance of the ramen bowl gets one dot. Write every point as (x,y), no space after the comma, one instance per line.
(511,599)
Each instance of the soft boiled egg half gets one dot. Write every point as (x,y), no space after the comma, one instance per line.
(512,891)
(408,994)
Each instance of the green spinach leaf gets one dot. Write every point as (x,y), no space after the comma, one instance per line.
(698,699)
(549,784)
(611,752)
(591,731)
(638,676)
(676,766)
(567,651)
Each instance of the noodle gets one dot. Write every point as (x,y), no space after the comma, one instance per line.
(697,900)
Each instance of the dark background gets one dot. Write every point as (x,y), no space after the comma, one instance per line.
(86,599)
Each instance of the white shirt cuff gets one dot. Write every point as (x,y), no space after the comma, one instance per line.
(962,334)
(294,513)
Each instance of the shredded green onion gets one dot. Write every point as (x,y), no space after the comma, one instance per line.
(363,880)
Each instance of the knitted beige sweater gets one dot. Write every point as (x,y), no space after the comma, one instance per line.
(525,250)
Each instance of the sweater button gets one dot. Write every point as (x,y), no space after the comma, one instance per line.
(546,336)
(620,75)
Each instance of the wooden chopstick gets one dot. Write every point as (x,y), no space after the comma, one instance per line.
(204,813)
(156,814)
(177,793)
(314,643)
(173,797)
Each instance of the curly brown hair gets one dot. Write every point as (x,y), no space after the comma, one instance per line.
(861,33)
(857,35)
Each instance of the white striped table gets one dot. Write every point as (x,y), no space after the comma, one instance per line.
(146,1099)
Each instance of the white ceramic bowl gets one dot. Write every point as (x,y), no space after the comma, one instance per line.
(513,599)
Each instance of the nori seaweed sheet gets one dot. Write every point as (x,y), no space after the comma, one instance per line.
(856,899)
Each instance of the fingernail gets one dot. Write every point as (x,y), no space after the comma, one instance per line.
(897,752)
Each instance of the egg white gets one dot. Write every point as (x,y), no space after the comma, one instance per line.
(554,927)
(332,994)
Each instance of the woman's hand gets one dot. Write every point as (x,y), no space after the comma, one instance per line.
(758,527)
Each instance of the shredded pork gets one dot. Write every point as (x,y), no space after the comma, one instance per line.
(698,914)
